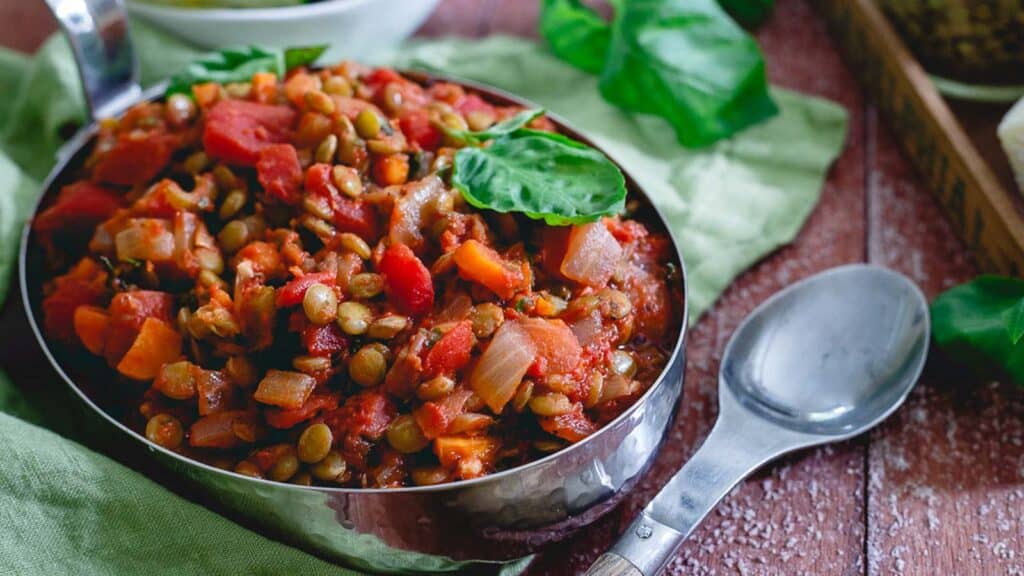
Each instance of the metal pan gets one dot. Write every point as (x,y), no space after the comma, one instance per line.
(447,527)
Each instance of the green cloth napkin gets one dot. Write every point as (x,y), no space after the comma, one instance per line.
(67,509)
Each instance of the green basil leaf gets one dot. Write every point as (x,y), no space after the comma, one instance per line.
(688,62)
(748,12)
(302,55)
(575,33)
(543,175)
(978,324)
(506,126)
(239,64)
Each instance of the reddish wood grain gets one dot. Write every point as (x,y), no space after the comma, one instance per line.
(946,474)
(24,25)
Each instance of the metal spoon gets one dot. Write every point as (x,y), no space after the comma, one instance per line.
(824,360)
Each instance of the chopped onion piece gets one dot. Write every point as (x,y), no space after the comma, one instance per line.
(286,389)
(502,366)
(217,430)
(413,208)
(145,239)
(587,329)
(592,255)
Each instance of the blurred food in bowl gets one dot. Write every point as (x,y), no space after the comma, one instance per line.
(971,41)
(352,28)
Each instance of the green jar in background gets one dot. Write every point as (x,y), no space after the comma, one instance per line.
(964,42)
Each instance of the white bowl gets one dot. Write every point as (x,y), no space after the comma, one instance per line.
(352,28)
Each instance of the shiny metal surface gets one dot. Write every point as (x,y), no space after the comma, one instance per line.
(98,33)
(418,529)
(825,359)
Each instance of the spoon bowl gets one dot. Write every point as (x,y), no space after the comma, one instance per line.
(823,360)
(832,355)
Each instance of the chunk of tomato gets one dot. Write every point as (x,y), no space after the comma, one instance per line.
(474,103)
(134,159)
(83,285)
(279,172)
(366,414)
(237,130)
(406,280)
(351,216)
(452,351)
(418,129)
(572,426)
(128,311)
(281,418)
(382,76)
(292,293)
(79,206)
(323,340)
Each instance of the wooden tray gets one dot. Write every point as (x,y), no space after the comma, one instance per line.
(954,147)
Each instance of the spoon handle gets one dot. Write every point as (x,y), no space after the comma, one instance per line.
(736,447)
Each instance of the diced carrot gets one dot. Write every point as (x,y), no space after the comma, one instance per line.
(91,325)
(391,170)
(297,85)
(264,86)
(480,264)
(128,310)
(206,94)
(451,450)
(156,345)
(264,257)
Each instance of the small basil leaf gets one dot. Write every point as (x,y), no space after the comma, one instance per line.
(978,324)
(748,12)
(302,55)
(506,126)
(543,175)
(239,64)
(688,62)
(575,33)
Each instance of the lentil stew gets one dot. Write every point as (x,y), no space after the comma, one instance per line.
(286,285)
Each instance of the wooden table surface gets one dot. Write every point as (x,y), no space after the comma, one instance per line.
(937,490)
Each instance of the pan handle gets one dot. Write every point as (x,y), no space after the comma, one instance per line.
(98,33)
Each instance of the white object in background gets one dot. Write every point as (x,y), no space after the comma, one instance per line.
(1011,134)
(352,28)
